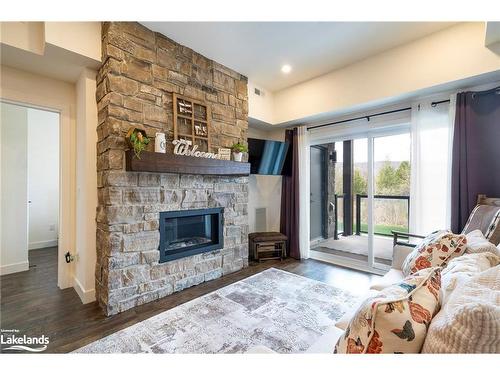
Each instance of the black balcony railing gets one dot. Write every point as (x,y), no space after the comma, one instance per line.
(358,211)
(393,197)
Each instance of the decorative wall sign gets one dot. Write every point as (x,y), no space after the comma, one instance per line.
(224,153)
(183,147)
(191,122)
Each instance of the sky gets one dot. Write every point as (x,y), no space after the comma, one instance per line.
(392,148)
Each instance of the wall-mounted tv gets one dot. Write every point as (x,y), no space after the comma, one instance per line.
(268,157)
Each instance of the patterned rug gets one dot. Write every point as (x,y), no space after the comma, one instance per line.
(278,309)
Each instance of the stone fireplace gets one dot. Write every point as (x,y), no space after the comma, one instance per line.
(141,70)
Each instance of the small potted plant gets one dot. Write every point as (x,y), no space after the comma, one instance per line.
(138,140)
(238,150)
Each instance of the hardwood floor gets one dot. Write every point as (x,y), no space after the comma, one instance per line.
(32,303)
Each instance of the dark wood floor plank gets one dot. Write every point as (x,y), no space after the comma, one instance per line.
(32,303)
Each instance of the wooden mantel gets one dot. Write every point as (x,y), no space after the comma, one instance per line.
(170,163)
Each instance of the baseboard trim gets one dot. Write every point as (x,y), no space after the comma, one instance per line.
(87,296)
(42,244)
(14,267)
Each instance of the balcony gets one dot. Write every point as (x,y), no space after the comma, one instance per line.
(391,212)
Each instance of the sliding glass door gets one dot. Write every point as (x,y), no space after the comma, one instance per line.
(391,193)
(336,179)
(360,193)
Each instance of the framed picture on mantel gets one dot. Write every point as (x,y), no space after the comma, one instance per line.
(192,121)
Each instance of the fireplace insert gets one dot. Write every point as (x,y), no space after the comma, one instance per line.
(189,232)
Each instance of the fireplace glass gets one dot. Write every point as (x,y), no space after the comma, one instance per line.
(190,232)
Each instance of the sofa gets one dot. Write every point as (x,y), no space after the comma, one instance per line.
(326,343)
(469,317)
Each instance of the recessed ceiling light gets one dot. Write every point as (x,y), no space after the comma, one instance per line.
(286,68)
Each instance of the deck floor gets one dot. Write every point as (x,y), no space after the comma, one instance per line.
(356,247)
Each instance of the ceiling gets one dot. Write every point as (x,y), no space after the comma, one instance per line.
(259,49)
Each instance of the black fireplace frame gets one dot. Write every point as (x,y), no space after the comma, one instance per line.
(219,211)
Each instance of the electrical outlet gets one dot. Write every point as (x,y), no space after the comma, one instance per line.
(52,227)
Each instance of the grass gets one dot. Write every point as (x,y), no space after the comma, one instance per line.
(384,230)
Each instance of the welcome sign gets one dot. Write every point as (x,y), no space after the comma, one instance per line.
(185,148)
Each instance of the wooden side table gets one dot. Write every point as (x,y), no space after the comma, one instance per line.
(267,245)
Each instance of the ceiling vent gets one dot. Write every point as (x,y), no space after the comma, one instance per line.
(258,92)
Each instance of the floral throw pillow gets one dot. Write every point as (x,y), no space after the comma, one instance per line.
(435,250)
(396,319)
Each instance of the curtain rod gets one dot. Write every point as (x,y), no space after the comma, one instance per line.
(433,104)
(486,92)
(360,118)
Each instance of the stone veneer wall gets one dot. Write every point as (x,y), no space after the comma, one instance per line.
(141,69)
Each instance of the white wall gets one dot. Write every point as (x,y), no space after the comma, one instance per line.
(450,55)
(86,186)
(14,189)
(28,36)
(82,38)
(43,178)
(59,50)
(265,191)
(260,107)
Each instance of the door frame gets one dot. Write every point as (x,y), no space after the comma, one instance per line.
(60,98)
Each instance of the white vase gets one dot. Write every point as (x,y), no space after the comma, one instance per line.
(237,156)
(160,143)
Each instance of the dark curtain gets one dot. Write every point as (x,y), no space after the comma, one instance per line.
(289,219)
(476,153)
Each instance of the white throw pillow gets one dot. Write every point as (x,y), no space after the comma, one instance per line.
(478,243)
(461,269)
(470,321)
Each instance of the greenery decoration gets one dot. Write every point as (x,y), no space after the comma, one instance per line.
(239,147)
(138,140)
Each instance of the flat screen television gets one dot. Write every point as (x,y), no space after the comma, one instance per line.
(268,157)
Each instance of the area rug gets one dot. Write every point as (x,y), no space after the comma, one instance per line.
(283,311)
